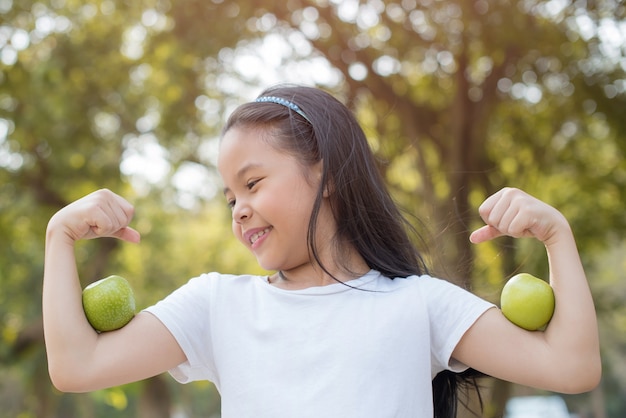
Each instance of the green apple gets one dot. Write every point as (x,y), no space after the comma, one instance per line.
(109,303)
(527,301)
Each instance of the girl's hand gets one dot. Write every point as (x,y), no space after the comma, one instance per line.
(517,214)
(99,214)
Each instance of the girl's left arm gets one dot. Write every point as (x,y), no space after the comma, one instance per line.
(566,356)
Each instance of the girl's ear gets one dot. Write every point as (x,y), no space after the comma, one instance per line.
(329,187)
(328,190)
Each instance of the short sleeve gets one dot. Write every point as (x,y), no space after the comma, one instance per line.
(452,311)
(186,314)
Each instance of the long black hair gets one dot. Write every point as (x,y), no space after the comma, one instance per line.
(320,128)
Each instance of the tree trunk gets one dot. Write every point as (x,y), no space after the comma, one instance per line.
(500,393)
(598,403)
(155,400)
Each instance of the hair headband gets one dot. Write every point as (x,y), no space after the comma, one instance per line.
(284,102)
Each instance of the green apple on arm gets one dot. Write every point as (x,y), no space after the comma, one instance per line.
(527,301)
(109,303)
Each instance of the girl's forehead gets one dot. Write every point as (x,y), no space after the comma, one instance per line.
(246,136)
(238,138)
(245,146)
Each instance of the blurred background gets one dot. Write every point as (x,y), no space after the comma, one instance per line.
(458,98)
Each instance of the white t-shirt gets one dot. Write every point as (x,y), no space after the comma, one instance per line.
(330,351)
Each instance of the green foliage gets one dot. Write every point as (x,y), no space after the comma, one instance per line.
(457,98)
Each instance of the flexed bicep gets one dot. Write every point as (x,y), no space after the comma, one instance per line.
(141,349)
(498,348)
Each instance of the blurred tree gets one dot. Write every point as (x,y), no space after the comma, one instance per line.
(459,98)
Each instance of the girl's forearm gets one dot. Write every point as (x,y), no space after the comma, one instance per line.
(68,335)
(573,329)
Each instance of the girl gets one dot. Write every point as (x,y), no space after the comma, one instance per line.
(350,325)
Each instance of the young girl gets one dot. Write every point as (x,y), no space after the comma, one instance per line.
(350,325)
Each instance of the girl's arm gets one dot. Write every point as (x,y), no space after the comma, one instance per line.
(566,356)
(80,359)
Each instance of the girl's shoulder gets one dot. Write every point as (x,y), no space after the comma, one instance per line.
(424,286)
(211,283)
(421,282)
(431,290)
(222,280)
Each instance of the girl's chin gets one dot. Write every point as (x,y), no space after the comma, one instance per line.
(271,265)
(267,266)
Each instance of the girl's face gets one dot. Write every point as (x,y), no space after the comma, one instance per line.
(271,196)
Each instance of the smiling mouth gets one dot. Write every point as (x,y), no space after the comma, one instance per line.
(258,235)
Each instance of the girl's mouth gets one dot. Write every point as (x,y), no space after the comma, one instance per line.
(254,237)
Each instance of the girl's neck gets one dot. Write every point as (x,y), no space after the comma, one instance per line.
(310,275)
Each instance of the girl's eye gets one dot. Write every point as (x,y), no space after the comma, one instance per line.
(251,184)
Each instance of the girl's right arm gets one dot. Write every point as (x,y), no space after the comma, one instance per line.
(79,358)
(566,356)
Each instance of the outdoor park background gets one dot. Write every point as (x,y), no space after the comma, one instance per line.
(458,98)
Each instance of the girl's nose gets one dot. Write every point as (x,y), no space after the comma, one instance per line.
(241,212)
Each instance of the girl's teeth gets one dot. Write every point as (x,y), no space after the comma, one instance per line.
(258,235)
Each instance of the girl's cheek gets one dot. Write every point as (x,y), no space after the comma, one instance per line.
(237,231)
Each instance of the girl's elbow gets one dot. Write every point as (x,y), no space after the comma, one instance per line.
(63,381)
(585,378)
(581,386)
(594,377)
(594,373)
